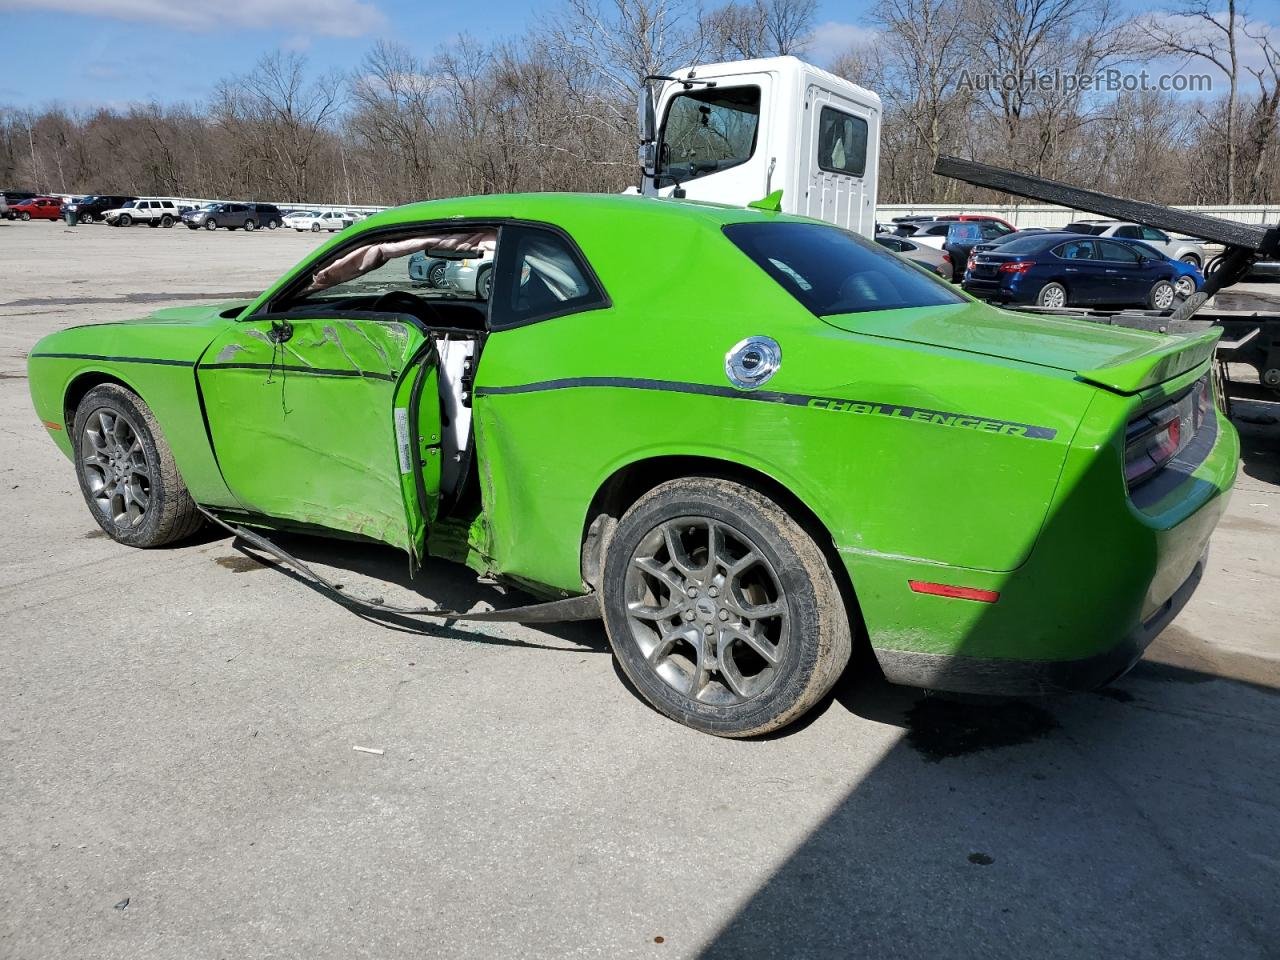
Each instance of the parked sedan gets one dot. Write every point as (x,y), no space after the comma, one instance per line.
(1067,269)
(937,261)
(318,220)
(37,208)
(713,502)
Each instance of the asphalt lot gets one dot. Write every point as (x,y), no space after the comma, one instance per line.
(177,776)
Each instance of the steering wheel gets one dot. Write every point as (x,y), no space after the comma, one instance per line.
(401,301)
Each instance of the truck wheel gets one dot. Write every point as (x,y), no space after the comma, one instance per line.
(211,224)
(721,609)
(250,226)
(127,472)
(1161,295)
(124,220)
(1052,295)
(166,221)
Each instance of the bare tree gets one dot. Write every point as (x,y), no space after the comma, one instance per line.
(759,28)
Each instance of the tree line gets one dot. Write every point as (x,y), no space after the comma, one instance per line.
(556,110)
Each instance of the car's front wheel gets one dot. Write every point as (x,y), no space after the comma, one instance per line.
(484,282)
(721,608)
(24,216)
(1191,259)
(211,224)
(1161,295)
(127,472)
(124,220)
(1052,295)
(1185,287)
(315,228)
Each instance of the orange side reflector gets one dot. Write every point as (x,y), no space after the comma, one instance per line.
(956,593)
(51,425)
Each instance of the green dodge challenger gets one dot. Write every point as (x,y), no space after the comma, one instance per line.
(755,439)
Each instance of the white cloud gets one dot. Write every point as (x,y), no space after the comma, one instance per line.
(833,38)
(334,18)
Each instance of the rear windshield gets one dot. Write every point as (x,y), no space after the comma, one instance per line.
(1023,244)
(832,271)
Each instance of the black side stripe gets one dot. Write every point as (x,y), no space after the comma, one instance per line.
(312,371)
(830,404)
(96,356)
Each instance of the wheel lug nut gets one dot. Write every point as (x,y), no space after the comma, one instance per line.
(713,592)
(688,614)
(708,629)
(692,592)
(724,614)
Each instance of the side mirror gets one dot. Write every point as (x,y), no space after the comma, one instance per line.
(646,114)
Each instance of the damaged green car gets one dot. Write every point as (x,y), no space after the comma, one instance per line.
(755,440)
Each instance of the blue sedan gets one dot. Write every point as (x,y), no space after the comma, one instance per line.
(1066,269)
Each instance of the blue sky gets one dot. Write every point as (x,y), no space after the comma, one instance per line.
(116,51)
(86,53)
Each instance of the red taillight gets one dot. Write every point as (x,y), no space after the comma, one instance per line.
(1155,438)
(1020,266)
(955,593)
(946,256)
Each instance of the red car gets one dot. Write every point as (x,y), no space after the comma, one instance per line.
(38,208)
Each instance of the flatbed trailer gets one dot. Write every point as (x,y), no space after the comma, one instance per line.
(1251,338)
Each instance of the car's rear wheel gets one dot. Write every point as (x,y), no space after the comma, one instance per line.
(1052,295)
(721,609)
(273,225)
(166,221)
(250,225)
(1192,259)
(484,282)
(127,472)
(1161,295)
(436,274)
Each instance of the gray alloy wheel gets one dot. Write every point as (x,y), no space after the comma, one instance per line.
(24,216)
(1192,259)
(484,282)
(315,228)
(250,226)
(274,224)
(1185,287)
(721,609)
(124,220)
(1161,296)
(436,274)
(1052,295)
(127,472)
(210,223)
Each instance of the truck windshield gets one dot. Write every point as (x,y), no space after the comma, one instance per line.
(832,271)
(708,130)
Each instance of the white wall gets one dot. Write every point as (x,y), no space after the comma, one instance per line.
(1048,215)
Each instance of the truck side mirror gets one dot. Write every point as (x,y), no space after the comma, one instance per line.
(648,153)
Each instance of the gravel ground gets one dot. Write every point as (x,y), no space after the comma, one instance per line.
(177,776)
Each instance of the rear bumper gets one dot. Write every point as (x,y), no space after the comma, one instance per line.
(998,677)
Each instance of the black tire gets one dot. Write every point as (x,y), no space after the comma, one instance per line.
(210,224)
(170,514)
(24,216)
(250,226)
(315,228)
(1049,294)
(166,221)
(814,642)
(437,273)
(124,220)
(484,282)
(1162,295)
(273,225)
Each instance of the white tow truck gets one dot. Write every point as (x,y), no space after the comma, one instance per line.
(739,132)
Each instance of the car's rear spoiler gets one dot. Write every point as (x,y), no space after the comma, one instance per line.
(1146,367)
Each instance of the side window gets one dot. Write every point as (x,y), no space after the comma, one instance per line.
(1128,233)
(541,275)
(708,130)
(842,142)
(1119,252)
(1075,250)
(1154,235)
(447,263)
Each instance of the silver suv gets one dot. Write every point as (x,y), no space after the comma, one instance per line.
(1188,251)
